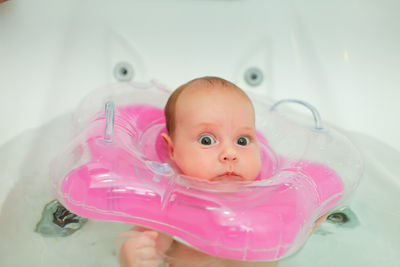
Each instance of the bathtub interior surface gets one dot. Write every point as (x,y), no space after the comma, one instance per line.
(341,56)
(374,242)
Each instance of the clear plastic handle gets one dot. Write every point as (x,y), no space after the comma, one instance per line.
(109,126)
(314,111)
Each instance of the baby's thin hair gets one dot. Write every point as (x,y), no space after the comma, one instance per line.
(211,81)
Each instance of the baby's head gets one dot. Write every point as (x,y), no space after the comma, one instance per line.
(211,131)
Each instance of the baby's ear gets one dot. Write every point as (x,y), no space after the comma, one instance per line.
(168,141)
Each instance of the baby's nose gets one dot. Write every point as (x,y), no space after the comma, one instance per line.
(228,154)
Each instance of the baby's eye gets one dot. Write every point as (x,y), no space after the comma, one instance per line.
(206,140)
(243,141)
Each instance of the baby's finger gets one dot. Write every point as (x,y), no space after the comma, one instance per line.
(144,241)
(147,263)
(147,253)
(140,242)
(145,257)
(151,234)
(133,232)
(130,234)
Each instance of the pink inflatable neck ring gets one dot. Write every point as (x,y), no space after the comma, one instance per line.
(123,175)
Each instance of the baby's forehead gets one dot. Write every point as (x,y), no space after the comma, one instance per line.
(206,101)
(205,89)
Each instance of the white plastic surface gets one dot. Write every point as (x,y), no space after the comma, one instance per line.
(342,56)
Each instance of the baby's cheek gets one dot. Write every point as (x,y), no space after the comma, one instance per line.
(207,164)
(195,163)
(253,164)
(202,168)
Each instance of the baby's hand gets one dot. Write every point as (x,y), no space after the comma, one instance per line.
(143,248)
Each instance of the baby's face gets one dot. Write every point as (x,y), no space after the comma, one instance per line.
(215,136)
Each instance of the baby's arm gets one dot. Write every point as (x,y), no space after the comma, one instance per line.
(143,248)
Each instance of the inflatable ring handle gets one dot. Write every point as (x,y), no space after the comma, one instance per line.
(109,125)
(314,111)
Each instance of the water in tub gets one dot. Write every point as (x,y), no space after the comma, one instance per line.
(373,240)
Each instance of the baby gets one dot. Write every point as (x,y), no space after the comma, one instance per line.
(211,131)
(212,136)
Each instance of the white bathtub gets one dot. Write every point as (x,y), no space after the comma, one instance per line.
(342,57)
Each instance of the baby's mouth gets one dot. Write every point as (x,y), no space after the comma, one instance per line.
(228,176)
